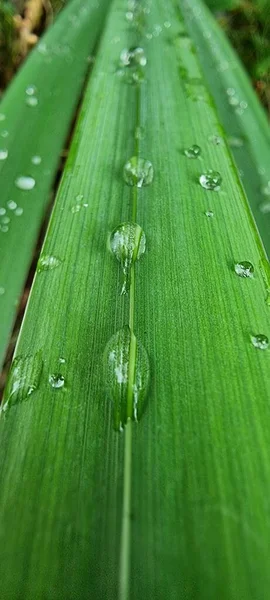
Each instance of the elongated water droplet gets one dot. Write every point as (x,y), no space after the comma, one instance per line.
(126,373)
(211,180)
(260,341)
(244,269)
(25,183)
(47,262)
(193,151)
(3,154)
(127,243)
(138,172)
(57,381)
(24,377)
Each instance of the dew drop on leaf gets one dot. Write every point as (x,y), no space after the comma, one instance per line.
(31,90)
(57,381)
(3,154)
(24,377)
(31,101)
(193,151)
(209,213)
(138,172)
(211,180)
(127,243)
(260,341)
(11,205)
(25,183)
(48,262)
(36,160)
(126,374)
(244,269)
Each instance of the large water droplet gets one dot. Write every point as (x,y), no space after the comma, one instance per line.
(25,183)
(260,341)
(138,172)
(193,151)
(126,373)
(127,243)
(211,180)
(3,154)
(23,379)
(57,381)
(244,269)
(47,262)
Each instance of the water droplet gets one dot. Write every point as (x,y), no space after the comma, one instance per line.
(139,133)
(265,190)
(2,117)
(129,16)
(209,213)
(42,48)
(25,183)
(215,139)
(57,381)
(167,24)
(4,133)
(211,180)
(265,207)
(127,243)
(193,151)
(31,101)
(133,57)
(62,360)
(138,172)
(2,291)
(19,211)
(230,91)
(2,211)
(4,228)
(36,160)
(233,101)
(260,341)
(126,374)
(149,36)
(5,220)
(24,377)
(31,90)
(235,142)
(243,104)
(3,154)
(48,262)
(244,269)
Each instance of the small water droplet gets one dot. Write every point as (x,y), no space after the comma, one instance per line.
(133,57)
(230,91)
(62,360)
(127,243)
(57,381)
(2,211)
(193,151)
(265,190)
(3,154)
(167,24)
(149,36)
(215,139)
(126,374)
(138,172)
(129,16)
(47,262)
(76,208)
(139,133)
(31,101)
(18,211)
(4,133)
(260,341)
(243,104)
(42,48)
(36,160)
(2,117)
(4,228)
(11,205)
(265,207)
(31,90)
(2,291)
(5,220)
(233,101)
(24,377)
(235,142)
(209,213)
(25,183)
(244,269)
(211,180)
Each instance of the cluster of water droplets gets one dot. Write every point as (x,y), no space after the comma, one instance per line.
(132,64)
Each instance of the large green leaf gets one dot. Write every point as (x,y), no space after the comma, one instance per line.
(174,506)
(243,118)
(32,137)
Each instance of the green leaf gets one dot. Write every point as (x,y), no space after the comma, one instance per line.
(35,116)
(174,506)
(242,116)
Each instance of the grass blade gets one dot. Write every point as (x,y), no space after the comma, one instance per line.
(33,137)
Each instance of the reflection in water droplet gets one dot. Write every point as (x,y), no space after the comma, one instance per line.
(24,377)
(126,374)
(211,180)
(260,341)
(48,262)
(193,151)
(127,243)
(31,101)
(244,269)
(25,182)
(209,213)
(36,160)
(138,172)
(57,381)
(2,291)
(3,154)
